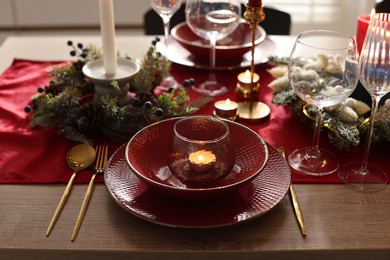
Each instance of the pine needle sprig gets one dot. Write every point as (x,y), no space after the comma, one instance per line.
(75,135)
(179,104)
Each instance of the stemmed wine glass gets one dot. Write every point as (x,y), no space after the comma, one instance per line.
(374,74)
(166,9)
(213,20)
(323,72)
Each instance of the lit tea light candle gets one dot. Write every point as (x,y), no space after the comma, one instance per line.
(107,27)
(362,25)
(226,108)
(202,160)
(245,77)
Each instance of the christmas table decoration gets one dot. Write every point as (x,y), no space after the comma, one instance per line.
(346,122)
(69,101)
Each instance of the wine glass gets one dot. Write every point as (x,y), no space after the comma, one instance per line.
(374,74)
(323,72)
(213,20)
(166,8)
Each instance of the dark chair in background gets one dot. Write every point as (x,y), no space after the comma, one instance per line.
(276,22)
(153,23)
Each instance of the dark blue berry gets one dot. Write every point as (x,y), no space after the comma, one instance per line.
(70,43)
(186,83)
(135,102)
(159,112)
(72,53)
(34,104)
(80,45)
(40,89)
(192,81)
(27,109)
(148,105)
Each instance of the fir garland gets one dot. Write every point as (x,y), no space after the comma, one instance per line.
(345,123)
(69,103)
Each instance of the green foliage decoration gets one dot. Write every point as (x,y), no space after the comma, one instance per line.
(69,102)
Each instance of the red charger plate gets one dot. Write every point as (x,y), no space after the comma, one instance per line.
(247,203)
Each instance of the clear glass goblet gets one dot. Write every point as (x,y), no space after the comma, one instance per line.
(213,20)
(166,9)
(374,74)
(323,72)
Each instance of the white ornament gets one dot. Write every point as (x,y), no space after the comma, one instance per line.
(360,107)
(278,71)
(279,84)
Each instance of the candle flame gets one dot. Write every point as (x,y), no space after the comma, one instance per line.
(372,12)
(227,102)
(247,73)
(200,157)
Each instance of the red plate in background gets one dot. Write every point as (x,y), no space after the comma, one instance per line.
(234,46)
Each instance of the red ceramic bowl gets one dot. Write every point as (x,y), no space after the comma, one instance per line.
(147,155)
(233,46)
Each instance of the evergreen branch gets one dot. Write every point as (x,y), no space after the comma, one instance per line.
(72,134)
(69,101)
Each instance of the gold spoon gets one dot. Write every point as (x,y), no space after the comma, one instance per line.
(79,157)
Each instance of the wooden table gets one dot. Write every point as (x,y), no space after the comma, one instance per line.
(342,223)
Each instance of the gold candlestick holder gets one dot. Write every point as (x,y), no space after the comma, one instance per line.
(253,110)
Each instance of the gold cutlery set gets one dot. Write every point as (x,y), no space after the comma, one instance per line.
(82,156)
(79,158)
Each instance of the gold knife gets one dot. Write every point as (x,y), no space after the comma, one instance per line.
(295,202)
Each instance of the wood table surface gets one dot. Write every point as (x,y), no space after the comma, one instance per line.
(342,223)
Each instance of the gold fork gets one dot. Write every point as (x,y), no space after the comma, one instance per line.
(101,161)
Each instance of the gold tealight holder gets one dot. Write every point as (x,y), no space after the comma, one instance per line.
(244,85)
(251,110)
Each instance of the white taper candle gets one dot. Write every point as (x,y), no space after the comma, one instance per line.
(107,27)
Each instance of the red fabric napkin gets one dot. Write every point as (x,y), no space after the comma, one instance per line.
(38,155)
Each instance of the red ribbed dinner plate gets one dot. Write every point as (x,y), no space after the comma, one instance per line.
(148,150)
(250,201)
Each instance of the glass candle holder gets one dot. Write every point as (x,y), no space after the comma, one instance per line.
(202,150)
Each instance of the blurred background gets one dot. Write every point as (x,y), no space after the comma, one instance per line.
(75,17)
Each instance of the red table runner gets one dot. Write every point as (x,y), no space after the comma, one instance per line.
(38,155)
